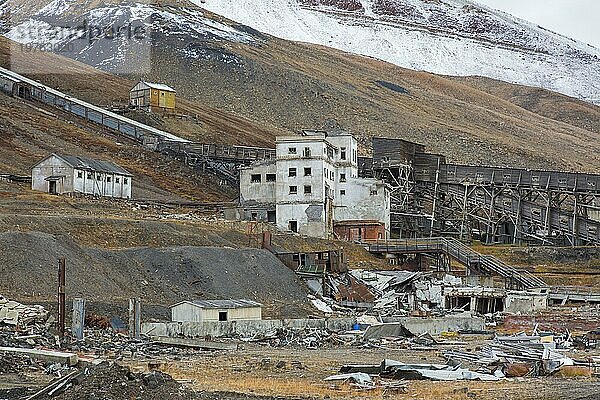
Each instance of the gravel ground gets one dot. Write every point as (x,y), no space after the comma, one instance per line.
(160,276)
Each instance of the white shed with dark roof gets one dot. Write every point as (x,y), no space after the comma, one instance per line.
(62,174)
(216,310)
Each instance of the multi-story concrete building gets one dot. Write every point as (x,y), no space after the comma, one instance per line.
(313,188)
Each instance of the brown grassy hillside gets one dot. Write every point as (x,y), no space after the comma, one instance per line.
(279,86)
(28,133)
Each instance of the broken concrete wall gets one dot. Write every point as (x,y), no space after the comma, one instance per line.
(241,328)
(525,303)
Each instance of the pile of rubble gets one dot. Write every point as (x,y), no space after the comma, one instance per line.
(522,355)
(111,381)
(108,343)
(309,338)
(17,363)
(17,314)
(385,293)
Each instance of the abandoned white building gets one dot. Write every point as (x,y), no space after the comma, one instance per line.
(216,310)
(313,188)
(60,174)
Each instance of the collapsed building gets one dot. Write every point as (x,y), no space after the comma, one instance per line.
(400,292)
(313,188)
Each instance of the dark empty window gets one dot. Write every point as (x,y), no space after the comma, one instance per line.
(222,316)
(271,177)
(292,172)
(307,189)
(307,152)
(293,226)
(255,178)
(108,179)
(342,177)
(307,171)
(117,180)
(89,175)
(292,150)
(79,174)
(343,153)
(342,192)
(293,189)
(125,181)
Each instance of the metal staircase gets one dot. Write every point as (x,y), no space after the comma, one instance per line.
(471,259)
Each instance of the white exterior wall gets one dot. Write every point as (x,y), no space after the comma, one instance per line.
(187,312)
(79,181)
(261,193)
(306,209)
(314,226)
(315,212)
(360,202)
(52,166)
(102,184)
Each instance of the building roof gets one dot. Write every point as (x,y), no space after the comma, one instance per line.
(89,164)
(158,86)
(326,133)
(221,303)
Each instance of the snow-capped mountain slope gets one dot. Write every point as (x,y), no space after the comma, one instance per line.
(450,37)
(109,36)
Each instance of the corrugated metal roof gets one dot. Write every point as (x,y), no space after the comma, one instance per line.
(221,303)
(89,164)
(159,86)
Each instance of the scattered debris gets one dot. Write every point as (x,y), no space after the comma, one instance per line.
(17,314)
(111,381)
(194,343)
(399,371)
(44,355)
(360,379)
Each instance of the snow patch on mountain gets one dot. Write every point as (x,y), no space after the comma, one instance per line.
(107,36)
(450,37)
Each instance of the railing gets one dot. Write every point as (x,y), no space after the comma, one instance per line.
(457,250)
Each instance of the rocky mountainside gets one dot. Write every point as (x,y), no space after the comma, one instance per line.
(450,37)
(237,85)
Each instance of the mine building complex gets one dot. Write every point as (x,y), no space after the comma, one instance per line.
(313,188)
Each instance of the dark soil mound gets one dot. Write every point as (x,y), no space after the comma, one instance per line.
(159,276)
(110,381)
